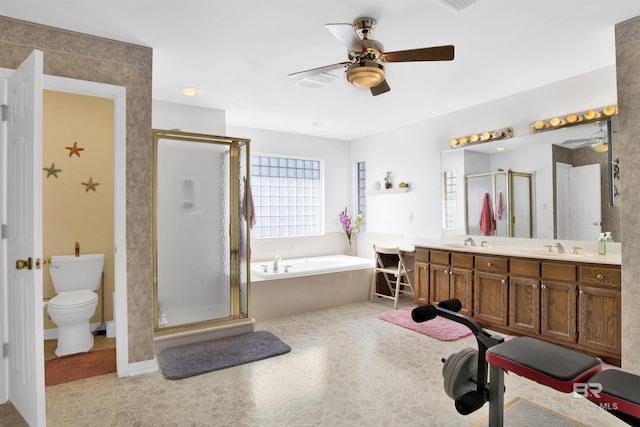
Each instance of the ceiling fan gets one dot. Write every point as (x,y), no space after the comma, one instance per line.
(364,68)
(598,140)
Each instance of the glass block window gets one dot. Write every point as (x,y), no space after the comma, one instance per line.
(449,204)
(362,192)
(287,195)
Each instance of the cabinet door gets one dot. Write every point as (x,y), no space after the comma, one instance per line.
(461,287)
(491,298)
(524,304)
(558,310)
(438,284)
(421,283)
(599,318)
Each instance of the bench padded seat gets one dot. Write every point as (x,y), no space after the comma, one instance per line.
(545,363)
(620,392)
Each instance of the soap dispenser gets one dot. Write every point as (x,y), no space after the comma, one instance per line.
(602,245)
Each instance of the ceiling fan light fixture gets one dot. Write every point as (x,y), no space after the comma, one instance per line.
(365,74)
(600,147)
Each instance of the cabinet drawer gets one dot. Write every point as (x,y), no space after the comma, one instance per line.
(559,271)
(525,268)
(461,260)
(492,264)
(439,257)
(421,255)
(600,275)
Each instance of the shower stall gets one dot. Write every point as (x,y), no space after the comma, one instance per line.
(510,202)
(202,214)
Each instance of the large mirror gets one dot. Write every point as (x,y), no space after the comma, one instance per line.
(574,184)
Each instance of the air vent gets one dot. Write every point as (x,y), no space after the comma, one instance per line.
(455,5)
(316,81)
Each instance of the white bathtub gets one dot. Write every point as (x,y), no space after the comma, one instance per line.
(309,266)
(309,284)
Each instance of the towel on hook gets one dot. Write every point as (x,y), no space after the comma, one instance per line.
(252,208)
(487,223)
(499,206)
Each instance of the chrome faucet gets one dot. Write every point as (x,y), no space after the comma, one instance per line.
(276,261)
(469,242)
(559,248)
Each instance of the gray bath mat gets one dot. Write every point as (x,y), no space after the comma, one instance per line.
(195,359)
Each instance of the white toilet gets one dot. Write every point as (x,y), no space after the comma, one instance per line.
(74,279)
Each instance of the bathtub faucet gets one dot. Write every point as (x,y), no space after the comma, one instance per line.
(276,261)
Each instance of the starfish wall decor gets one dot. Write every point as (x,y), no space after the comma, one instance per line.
(74,150)
(90,185)
(51,170)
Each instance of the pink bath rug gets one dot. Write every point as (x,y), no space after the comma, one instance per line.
(438,327)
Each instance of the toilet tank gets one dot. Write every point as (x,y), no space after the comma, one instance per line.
(76,273)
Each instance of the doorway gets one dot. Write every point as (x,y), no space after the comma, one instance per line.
(118,95)
(118,252)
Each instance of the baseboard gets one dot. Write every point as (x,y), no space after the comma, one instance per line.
(144,367)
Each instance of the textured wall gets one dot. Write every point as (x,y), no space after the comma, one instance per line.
(628,63)
(84,57)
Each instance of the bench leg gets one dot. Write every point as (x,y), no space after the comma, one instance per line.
(496,396)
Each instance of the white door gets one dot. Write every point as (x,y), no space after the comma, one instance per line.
(24,240)
(584,202)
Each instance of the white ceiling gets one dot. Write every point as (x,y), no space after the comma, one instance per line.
(238,53)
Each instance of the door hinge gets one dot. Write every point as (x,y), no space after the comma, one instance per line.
(5,350)
(3,110)
(4,231)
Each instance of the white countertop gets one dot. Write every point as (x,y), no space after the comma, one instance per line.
(529,248)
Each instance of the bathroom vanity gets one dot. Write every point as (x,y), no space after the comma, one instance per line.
(569,299)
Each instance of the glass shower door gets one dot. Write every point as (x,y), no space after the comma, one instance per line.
(198,231)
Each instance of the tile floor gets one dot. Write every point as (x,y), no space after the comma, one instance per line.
(346,368)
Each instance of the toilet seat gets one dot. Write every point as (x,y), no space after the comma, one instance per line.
(73,299)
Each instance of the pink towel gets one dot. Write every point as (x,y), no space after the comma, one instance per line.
(487,223)
(499,206)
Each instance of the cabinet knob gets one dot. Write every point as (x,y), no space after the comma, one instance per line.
(534,285)
(599,276)
(503,281)
(543,286)
(581,292)
(489,264)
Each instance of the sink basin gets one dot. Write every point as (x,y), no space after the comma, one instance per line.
(462,246)
(545,252)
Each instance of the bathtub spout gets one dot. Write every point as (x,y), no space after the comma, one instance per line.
(276,261)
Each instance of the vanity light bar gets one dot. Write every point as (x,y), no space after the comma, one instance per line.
(478,138)
(574,119)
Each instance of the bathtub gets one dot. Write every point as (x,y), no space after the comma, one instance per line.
(309,266)
(308,284)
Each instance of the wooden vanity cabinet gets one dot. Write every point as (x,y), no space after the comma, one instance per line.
(461,281)
(421,277)
(558,301)
(599,309)
(524,296)
(451,276)
(569,303)
(491,290)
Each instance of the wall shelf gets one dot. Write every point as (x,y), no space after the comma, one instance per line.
(387,191)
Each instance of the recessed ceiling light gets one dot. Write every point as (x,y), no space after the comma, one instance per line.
(189,91)
(500,149)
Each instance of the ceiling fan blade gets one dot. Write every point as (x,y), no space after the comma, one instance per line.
(318,70)
(381,88)
(576,143)
(347,35)
(436,53)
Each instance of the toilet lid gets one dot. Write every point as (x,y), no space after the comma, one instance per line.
(73,299)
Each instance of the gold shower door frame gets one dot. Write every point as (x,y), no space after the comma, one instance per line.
(235,146)
(509,176)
